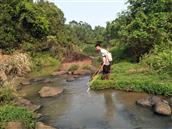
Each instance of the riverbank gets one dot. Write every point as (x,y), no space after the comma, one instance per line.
(15,70)
(135,77)
(15,76)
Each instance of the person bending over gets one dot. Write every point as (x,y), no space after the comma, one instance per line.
(106,60)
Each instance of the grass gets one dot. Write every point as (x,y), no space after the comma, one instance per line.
(10,113)
(73,68)
(6,94)
(135,77)
(43,65)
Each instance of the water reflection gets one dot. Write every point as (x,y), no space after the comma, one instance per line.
(110,106)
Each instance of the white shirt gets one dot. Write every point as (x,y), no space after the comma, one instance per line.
(104,53)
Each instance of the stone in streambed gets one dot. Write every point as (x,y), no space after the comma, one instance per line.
(149,101)
(40,125)
(76,76)
(47,80)
(28,104)
(70,79)
(15,125)
(39,116)
(162,108)
(155,99)
(50,91)
(144,102)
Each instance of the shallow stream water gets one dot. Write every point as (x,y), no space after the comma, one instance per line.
(107,109)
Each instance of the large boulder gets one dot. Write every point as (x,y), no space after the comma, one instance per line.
(50,91)
(162,108)
(15,125)
(40,125)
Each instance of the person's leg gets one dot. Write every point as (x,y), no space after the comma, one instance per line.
(106,71)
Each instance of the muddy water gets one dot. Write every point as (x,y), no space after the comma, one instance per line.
(109,109)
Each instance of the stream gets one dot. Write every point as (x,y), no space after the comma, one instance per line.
(107,109)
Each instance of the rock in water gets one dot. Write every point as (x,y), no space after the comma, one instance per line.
(149,101)
(155,99)
(48,80)
(162,109)
(15,125)
(50,91)
(40,125)
(144,102)
(70,79)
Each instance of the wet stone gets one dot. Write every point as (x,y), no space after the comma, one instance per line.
(162,109)
(40,125)
(50,91)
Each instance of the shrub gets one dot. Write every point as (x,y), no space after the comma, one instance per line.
(73,68)
(159,60)
(41,60)
(10,113)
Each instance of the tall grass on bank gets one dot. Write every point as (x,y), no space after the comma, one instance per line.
(135,77)
(7,94)
(10,113)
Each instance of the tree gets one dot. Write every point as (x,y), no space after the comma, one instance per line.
(144,25)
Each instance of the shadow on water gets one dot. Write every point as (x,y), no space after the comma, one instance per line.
(108,109)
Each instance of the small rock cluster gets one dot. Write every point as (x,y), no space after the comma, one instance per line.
(159,106)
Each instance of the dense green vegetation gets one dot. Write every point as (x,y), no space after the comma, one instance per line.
(141,35)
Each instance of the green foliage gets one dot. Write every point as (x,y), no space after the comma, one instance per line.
(87,67)
(121,53)
(144,25)
(55,17)
(20,20)
(43,64)
(6,94)
(41,60)
(89,49)
(159,60)
(135,77)
(10,113)
(73,68)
